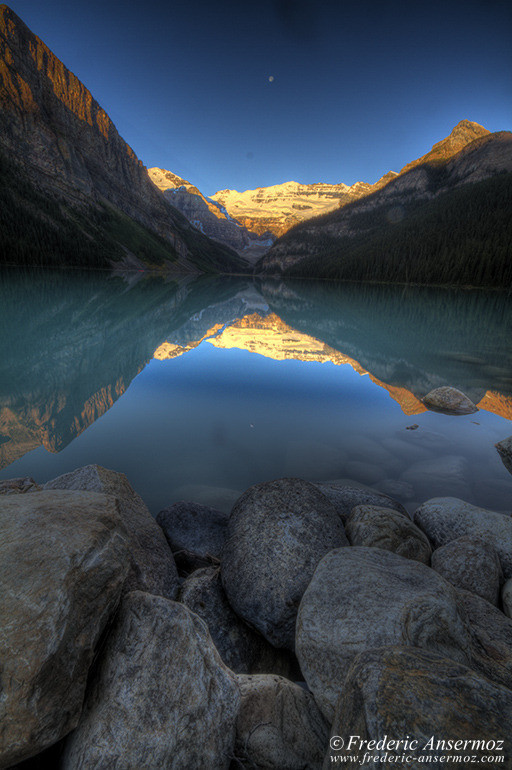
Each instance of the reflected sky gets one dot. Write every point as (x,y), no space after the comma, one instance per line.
(236,408)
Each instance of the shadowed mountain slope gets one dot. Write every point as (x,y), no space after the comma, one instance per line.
(72,190)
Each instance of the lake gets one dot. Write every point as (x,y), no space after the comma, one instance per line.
(198,388)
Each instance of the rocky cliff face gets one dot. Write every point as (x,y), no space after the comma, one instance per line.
(210,217)
(458,160)
(67,146)
(280,207)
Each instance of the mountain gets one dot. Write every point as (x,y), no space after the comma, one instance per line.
(277,208)
(210,217)
(71,190)
(445,218)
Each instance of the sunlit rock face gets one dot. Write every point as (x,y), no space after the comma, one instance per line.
(69,148)
(280,207)
(469,154)
(210,217)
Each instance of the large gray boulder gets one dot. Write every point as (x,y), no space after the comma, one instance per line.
(385,528)
(242,649)
(492,637)
(395,693)
(346,495)
(152,564)
(505,452)
(450,401)
(472,565)
(361,598)
(279,726)
(277,533)
(196,533)
(161,697)
(63,561)
(444,519)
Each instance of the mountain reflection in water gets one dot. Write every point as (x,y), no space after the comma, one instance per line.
(72,344)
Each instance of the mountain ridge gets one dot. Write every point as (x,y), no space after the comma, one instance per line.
(68,150)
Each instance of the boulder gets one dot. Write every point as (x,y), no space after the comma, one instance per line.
(397,693)
(345,495)
(444,519)
(242,649)
(450,401)
(152,563)
(277,533)
(18,486)
(195,533)
(161,696)
(506,598)
(472,565)
(492,636)
(361,598)
(384,528)
(505,452)
(63,561)
(279,726)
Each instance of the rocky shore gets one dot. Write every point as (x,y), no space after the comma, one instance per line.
(315,625)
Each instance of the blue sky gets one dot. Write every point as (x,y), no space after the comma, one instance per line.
(358,88)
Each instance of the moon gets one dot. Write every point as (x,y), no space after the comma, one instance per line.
(271,79)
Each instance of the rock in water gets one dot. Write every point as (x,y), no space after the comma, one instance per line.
(279,726)
(345,496)
(450,401)
(505,452)
(361,598)
(196,533)
(277,533)
(153,568)
(472,565)
(397,692)
(241,648)
(64,557)
(384,528)
(161,698)
(444,519)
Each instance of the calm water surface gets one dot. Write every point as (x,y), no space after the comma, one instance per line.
(198,390)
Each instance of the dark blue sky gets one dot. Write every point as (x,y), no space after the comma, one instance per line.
(358,88)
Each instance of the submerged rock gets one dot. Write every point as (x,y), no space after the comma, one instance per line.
(152,563)
(384,528)
(63,562)
(277,533)
(241,648)
(161,697)
(345,496)
(279,726)
(450,401)
(472,565)
(444,519)
(438,476)
(196,533)
(361,598)
(394,693)
(505,452)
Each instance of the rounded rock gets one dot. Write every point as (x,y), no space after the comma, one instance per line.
(277,533)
